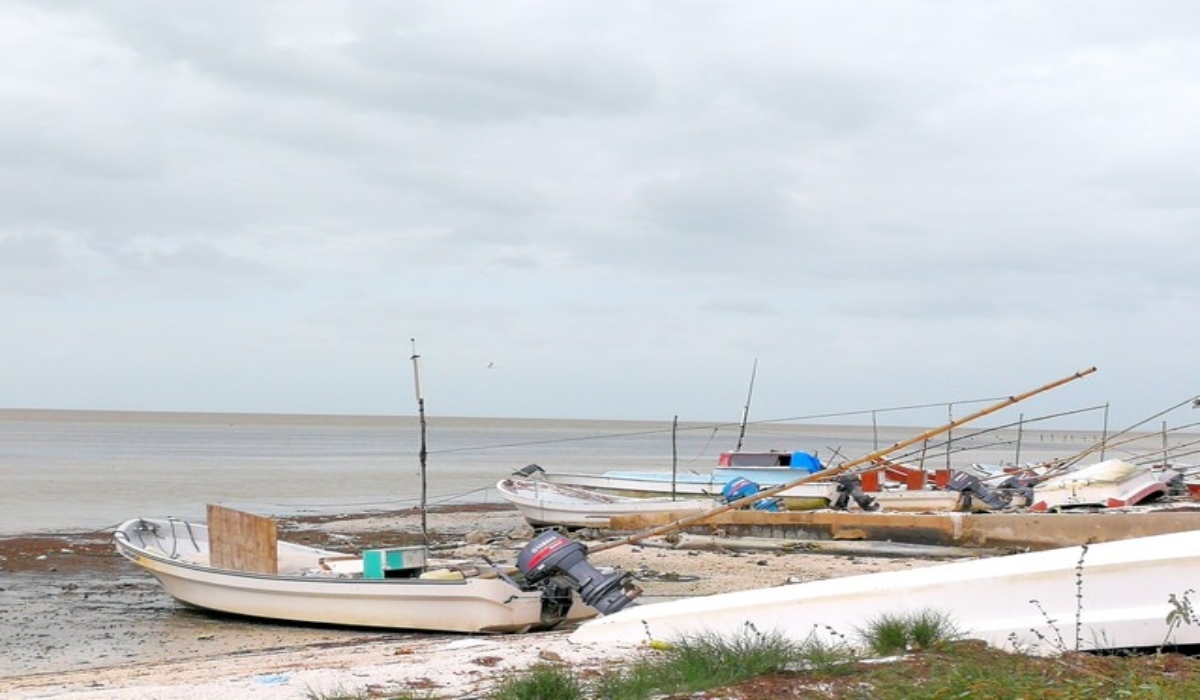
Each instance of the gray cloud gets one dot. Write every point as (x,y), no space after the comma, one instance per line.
(881,202)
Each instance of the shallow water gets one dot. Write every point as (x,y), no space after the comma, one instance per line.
(84,471)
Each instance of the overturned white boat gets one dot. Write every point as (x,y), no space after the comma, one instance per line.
(542,503)
(239,567)
(1109,484)
(1113,595)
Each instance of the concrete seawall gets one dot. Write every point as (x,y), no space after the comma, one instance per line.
(1032,531)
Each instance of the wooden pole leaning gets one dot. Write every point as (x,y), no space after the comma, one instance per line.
(834,471)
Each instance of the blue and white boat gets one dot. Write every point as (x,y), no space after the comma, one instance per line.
(766,469)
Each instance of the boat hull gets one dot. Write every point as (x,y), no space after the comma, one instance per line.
(1107,596)
(175,558)
(808,496)
(1109,484)
(543,503)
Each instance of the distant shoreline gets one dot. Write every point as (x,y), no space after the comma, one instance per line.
(236,417)
(118,415)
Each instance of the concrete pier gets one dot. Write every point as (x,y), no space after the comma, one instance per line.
(1027,531)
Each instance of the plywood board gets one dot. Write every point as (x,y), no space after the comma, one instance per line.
(242,541)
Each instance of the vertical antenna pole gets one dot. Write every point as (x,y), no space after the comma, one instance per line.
(1020,436)
(674,454)
(424,452)
(1104,433)
(746,408)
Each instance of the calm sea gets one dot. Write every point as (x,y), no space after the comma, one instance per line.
(82,471)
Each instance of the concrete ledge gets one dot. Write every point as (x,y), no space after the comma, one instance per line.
(1033,531)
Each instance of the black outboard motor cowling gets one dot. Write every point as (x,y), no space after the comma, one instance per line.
(551,553)
(972,487)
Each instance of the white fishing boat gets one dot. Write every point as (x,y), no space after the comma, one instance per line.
(251,573)
(1113,595)
(763,468)
(547,504)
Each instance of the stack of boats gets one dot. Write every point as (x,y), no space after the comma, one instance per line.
(577,500)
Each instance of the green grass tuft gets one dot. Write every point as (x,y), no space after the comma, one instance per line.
(698,662)
(925,630)
(540,682)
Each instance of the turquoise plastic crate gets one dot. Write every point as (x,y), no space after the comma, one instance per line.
(394,562)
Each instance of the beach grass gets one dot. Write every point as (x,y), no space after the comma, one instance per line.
(898,633)
(540,682)
(687,665)
(926,659)
(752,666)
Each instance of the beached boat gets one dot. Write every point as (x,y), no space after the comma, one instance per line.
(543,503)
(766,469)
(1113,595)
(1109,484)
(247,571)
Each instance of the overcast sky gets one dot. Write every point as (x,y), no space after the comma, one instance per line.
(598,209)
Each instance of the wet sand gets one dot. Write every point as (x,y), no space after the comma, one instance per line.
(69,602)
(81,621)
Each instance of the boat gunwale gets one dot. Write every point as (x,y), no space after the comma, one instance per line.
(133,553)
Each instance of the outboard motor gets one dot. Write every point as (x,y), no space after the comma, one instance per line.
(972,487)
(850,486)
(1019,486)
(740,487)
(551,553)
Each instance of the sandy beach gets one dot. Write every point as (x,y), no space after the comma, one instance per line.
(81,622)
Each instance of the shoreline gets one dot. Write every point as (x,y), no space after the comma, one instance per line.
(90,625)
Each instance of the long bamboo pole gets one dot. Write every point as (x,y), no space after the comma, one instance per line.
(834,471)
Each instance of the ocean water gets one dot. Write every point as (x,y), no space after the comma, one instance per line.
(73,471)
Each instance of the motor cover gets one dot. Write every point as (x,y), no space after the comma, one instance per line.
(551,553)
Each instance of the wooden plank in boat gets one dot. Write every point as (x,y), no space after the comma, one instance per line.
(240,541)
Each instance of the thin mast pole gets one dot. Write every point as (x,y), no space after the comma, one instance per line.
(1020,435)
(826,473)
(424,452)
(1104,433)
(949,433)
(1166,450)
(674,455)
(746,408)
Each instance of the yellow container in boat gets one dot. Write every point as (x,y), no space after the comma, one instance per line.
(443,575)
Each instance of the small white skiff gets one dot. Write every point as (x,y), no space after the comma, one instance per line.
(544,503)
(320,586)
(816,494)
(1113,595)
